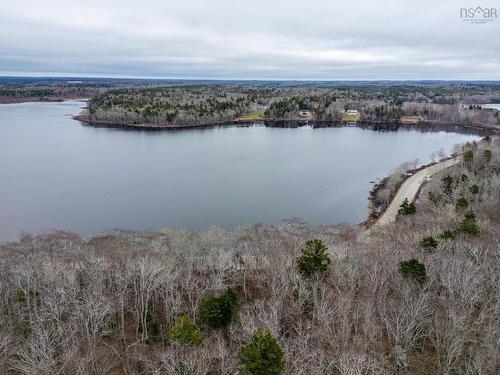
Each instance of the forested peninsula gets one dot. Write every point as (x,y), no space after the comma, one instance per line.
(191,105)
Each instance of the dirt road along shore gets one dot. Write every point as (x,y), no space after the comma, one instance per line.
(410,189)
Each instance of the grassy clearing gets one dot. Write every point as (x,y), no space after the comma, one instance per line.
(254,115)
(346,117)
(305,118)
(411,119)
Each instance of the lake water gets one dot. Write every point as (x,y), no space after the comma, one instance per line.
(57,174)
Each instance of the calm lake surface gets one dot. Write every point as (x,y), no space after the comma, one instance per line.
(56,173)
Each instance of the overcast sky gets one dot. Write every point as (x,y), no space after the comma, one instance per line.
(249,39)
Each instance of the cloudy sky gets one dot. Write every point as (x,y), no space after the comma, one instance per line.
(248,39)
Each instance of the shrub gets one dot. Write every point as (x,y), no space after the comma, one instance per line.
(184,331)
(474,189)
(447,183)
(183,368)
(464,178)
(31,296)
(263,356)
(470,227)
(21,296)
(432,197)
(407,208)
(413,269)
(468,156)
(314,259)
(218,312)
(487,155)
(470,215)
(429,242)
(469,224)
(461,203)
(448,235)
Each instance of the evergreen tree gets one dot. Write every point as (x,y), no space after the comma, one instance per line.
(448,235)
(184,331)
(263,356)
(469,224)
(429,242)
(413,269)
(487,155)
(407,208)
(218,312)
(314,259)
(461,204)
(447,182)
(474,189)
(468,156)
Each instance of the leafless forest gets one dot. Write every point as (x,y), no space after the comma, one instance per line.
(105,305)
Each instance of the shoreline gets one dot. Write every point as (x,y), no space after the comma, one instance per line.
(374,125)
(276,122)
(420,174)
(374,216)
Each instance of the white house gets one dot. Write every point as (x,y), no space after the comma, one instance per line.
(352,112)
(304,113)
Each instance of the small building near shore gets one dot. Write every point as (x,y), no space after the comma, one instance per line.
(304,113)
(350,116)
(352,112)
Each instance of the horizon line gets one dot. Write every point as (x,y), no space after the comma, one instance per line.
(62,76)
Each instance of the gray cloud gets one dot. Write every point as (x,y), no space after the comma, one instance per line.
(279,39)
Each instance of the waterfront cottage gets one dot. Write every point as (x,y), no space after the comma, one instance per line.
(352,112)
